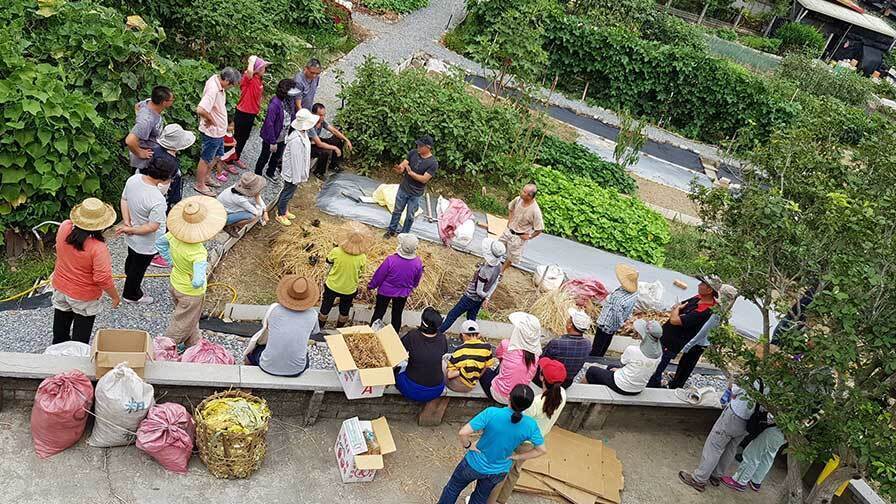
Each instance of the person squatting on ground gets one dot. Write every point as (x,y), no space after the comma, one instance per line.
(524,223)
(273,130)
(244,204)
(191,222)
(212,112)
(328,151)
(545,410)
(482,285)
(83,271)
(570,349)
(347,261)
(489,460)
(248,106)
(148,126)
(693,350)
(518,358)
(638,362)
(419,167)
(616,310)
(296,163)
(143,209)
(423,379)
(395,279)
(281,347)
(465,365)
(758,458)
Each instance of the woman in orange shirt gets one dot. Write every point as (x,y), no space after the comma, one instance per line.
(83,271)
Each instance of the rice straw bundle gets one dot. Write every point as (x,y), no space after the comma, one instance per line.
(366,351)
(552,309)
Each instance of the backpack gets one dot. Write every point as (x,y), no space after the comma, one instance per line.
(758,420)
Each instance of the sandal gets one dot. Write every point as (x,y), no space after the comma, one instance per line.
(206,192)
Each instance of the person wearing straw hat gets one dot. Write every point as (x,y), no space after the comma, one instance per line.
(244,204)
(616,310)
(83,271)
(191,222)
(347,261)
(143,211)
(482,285)
(281,348)
(685,320)
(296,162)
(638,362)
(517,355)
(423,379)
(395,279)
(693,350)
(572,348)
(545,410)
(248,106)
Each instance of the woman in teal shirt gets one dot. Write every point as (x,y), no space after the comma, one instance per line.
(486,463)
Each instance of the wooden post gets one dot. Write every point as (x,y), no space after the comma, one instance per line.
(740,15)
(769,27)
(432,412)
(702,14)
(585,92)
(826,43)
(313,409)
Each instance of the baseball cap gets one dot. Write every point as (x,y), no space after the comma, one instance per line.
(580,319)
(469,327)
(425,140)
(552,371)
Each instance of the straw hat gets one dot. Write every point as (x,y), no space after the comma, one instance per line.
(407,245)
(627,276)
(196,219)
(296,293)
(93,215)
(355,238)
(251,184)
(304,120)
(175,137)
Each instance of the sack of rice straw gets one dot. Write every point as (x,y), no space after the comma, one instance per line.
(60,410)
(122,401)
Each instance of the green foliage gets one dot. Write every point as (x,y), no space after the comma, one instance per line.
(726,34)
(702,96)
(486,203)
(578,208)
(398,6)
(800,38)
(20,275)
(666,29)
(764,44)
(640,17)
(385,112)
(814,77)
(569,157)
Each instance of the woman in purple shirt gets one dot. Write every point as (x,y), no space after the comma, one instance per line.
(273,130)
(396,278)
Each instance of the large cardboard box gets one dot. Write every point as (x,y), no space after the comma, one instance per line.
(113,346)
(369,382)
(355,464)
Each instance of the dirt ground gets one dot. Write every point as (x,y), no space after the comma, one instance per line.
(248,267)
(664,196)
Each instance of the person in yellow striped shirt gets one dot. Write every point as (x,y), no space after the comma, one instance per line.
(465,366)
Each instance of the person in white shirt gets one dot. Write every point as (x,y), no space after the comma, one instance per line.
(296,162)
(244,204)
(639,362)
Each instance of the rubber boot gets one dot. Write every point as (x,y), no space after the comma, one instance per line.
(322,321)
(341,321)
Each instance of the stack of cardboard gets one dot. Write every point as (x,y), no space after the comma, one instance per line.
(576,469)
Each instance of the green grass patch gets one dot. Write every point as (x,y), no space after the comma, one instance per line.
(20,274)
(396,6)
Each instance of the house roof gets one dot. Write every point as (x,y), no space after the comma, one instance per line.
(850,16)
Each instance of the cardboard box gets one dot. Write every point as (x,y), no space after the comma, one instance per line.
(369,382)
(355,465)
(113,346)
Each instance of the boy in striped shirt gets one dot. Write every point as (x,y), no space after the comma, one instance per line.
(465,366)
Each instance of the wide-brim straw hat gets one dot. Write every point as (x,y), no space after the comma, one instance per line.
(355,238)
(251,184)
(93,215)
(175,137)
(627,276)
(297,293)
(304,120)
(196,219)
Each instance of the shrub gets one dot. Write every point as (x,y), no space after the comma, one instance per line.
(800,38)
(726,34)
(671,30)
(385,112)
(398,6)
(572,158)
(764,44)
(577,208)
(816,78)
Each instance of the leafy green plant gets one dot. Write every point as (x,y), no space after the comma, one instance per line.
(800,38)
(629,141)
(764,44)
(578,208)
(726,34)
(685,251)
(570,157)
(487,203)
(397,6)
(814,77)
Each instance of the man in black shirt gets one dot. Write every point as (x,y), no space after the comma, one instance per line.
(684,322)
(418,168)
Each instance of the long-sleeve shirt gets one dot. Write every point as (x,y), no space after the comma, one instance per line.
(397,276)
(702,336)
(571,350)
(484,282)
(189,262)
(273,121)
(616,310)
(512,372)
(81,274)
(234,203)
(296,158)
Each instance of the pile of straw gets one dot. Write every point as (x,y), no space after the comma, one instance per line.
(303,249)
(366,350)
(552,309)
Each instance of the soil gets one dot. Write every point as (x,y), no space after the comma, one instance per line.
(664,196)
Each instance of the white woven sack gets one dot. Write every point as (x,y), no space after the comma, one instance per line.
(69,349)
(121,400)
(650,296)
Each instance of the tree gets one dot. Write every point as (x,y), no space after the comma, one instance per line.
(817,210)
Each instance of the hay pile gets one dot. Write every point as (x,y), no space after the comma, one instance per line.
(366,350)
(552,309)
(303,249)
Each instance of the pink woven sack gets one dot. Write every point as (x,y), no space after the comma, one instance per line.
(164,349)
(206,352)
(60,410)
(166,434)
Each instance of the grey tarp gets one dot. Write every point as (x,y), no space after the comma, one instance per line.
(339,194)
